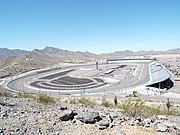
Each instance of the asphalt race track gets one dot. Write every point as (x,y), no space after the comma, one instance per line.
(83,79)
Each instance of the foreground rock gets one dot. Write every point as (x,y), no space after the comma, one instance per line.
(103,124)
(27,116)
(88,117)
(66,115)
(161,127)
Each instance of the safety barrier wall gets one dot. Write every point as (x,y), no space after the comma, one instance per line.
(80,91)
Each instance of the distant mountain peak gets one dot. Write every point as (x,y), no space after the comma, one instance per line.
(56,52)
(4,52)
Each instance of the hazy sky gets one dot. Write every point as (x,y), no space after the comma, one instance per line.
(90,25)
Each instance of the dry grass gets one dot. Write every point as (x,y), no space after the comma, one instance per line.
(44,98)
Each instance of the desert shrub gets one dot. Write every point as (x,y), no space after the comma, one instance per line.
(87,101)
(82,100)
(150,111)
(106,103)
(136,108)
(173,112)
(44,98)
(72,101)
(131,108)
(24,95)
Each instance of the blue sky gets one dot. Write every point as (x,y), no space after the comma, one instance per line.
(98,26)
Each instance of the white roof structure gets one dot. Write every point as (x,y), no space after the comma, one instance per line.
(157,73)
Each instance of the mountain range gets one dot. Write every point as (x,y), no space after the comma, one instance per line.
(14,61)
(4,52)
(56,52)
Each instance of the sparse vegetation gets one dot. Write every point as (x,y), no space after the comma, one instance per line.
(136,108)
(106,103)
(82,100)
(44,98)
(87,101)
(132,108)
(24,95)
(173,111)
(72,101)
(150,111)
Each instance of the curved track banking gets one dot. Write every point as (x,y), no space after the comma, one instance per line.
(83,79)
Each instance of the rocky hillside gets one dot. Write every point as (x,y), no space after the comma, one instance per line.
(46,115)
(17,61)
(4,52)
(139,53)
(13,61)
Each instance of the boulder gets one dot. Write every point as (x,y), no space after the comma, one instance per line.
(147,120)
(168,124)
(102,127)
(63,108)
(104,123)
(161,117)
(89,117)
(126,118)
(136,121)
(161,127)
(67,115)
